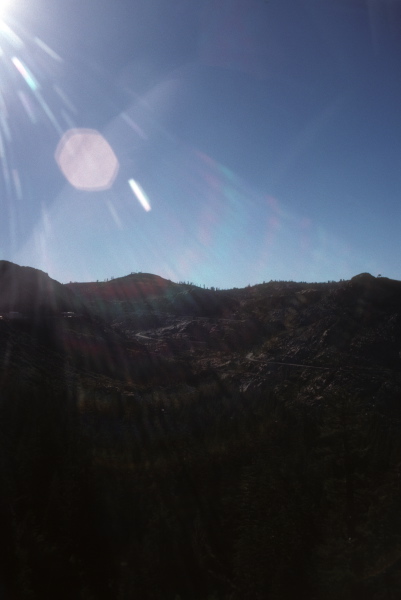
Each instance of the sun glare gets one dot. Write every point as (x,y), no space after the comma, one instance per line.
(5,5)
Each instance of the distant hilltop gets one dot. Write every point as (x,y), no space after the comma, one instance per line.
(28,291)
(134,286)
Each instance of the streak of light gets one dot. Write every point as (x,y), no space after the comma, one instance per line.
(26,103)
(64,98)
(47,225)
(134,126)
(17,183)
(4,164)
(3,105)
(140,194)
(2,154)
(70,123)
(47,49)
(3,118)
(10,35)
(115,215)
(48,112)
(5,128)
(26,74)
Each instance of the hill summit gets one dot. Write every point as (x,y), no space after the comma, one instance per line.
(32,292)
(130,287)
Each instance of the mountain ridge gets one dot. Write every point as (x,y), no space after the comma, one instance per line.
(191,443)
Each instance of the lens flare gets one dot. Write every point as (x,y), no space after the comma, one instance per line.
(26,74)
(140,194)
(87,160)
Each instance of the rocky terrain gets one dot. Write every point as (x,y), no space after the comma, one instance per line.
(246,335)
(165,441)
(348,331)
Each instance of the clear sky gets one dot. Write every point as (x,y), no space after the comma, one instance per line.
(240,140)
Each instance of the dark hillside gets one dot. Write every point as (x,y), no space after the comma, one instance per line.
(32,292)
(131,287)
(178,443)
(146,298)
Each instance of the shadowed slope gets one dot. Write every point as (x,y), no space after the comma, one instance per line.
(32,292)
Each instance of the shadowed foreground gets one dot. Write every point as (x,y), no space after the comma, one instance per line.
(200,470)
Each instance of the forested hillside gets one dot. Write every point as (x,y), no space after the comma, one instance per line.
(251,452)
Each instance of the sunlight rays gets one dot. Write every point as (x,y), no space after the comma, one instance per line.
(25,65)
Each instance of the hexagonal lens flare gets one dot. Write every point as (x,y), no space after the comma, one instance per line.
(87,160)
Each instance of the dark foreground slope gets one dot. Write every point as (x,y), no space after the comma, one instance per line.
(258,458)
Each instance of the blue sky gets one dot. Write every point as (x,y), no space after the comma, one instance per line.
(266,137)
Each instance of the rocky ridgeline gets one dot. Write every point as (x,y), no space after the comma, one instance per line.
(253,337)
